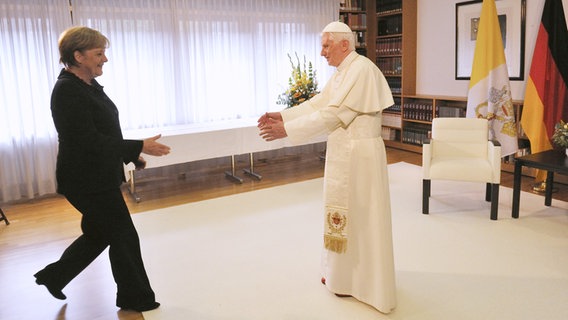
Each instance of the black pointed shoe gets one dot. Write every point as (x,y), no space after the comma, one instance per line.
(57,294)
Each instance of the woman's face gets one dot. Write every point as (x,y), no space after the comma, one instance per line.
(91,61)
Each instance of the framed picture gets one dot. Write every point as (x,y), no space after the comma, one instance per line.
(512,16)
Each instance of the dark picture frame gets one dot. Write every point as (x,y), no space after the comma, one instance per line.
(512,19)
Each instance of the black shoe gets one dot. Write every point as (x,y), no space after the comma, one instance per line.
(57,294)
(147,307)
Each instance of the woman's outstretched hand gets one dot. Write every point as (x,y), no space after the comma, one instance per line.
(154,148)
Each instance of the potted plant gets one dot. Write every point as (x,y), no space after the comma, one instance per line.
(560,136)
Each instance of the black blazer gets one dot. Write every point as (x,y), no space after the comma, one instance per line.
(92,150)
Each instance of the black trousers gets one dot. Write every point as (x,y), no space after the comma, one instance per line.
(106,222)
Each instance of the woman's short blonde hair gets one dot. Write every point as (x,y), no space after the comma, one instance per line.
(79,39)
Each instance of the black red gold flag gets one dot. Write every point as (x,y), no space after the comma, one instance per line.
(546,98)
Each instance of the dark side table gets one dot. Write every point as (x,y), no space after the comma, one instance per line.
(551,160)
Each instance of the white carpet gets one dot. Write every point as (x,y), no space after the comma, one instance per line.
(256,255)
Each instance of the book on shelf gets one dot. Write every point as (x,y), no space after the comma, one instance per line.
(392,120)
(415,135)
(390,66)
(417,111)
(389,6)
(389,46)
(358,5)
(395,108)
(395,84)
(360,40)
(389,26)
(450,112)
(355,21)
(389,134)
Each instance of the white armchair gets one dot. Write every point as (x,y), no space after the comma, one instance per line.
(460,149)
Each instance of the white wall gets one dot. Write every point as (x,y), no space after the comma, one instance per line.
(435,71)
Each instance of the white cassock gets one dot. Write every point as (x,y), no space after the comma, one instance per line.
(358,252)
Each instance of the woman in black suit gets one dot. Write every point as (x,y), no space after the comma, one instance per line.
(90,172)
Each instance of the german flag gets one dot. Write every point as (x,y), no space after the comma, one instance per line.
(546,99)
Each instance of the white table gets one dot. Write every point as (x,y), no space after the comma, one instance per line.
(206,141)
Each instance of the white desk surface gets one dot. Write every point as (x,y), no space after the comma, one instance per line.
(198,142)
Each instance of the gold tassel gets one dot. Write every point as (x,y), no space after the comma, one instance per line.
(334,243)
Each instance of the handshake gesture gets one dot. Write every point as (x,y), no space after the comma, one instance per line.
(152,147)
(271,126)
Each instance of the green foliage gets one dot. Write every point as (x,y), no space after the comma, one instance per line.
(302,84)
(560,136)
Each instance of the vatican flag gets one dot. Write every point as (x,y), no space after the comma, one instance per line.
(489,94)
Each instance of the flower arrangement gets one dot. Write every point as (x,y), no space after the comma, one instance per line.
(303,84)
(560,136)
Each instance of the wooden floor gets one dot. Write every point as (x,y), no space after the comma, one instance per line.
(53,219)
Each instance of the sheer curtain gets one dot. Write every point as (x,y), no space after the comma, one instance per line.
(177,62)
(28,68)
(193,62)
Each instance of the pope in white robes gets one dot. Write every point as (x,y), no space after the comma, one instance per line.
(358,257)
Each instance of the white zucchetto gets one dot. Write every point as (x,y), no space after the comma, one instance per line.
(337,26)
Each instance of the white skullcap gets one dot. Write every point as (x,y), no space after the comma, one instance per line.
(336,26)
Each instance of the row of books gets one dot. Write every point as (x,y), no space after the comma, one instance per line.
(425,112)
(395,85)
(450,112)
(390,26)
(395,108)
(417,111)
(389,6)
(360,39)
(390,66)
(389,46)
(352,5)
(392,120)
(354,20)
(389,134)
(415,135)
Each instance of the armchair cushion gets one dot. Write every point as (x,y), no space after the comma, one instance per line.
(460,150)
(461,169)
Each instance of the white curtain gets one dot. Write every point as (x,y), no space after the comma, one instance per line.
(194,61)
(28,68)
(177,62)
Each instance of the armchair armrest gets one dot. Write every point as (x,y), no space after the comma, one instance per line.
(495,142)
(494,158)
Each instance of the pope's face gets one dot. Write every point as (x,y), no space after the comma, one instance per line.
(332,50)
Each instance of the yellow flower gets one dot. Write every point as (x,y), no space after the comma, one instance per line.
(302,84)
(560,136)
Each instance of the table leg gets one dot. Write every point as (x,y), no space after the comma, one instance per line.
(231,174)
(250,171)
(548,190)
(517,188)
(132,186)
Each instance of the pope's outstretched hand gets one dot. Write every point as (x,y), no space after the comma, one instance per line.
(271,126)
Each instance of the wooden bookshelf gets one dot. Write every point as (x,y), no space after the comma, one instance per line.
(394,32)
(354,13)
(417,112)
